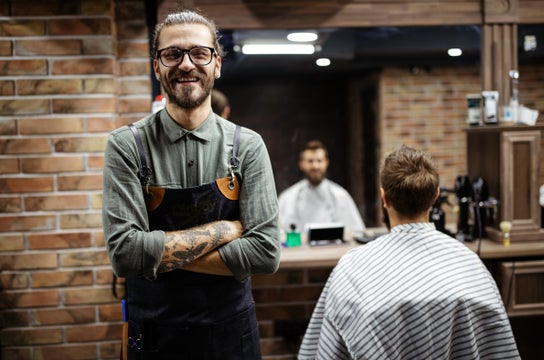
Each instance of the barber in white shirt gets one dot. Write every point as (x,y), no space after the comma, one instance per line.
(316,199)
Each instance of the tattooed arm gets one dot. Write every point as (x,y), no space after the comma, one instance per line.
(183,247)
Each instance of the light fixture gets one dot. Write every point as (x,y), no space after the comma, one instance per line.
(302,36)
(323,62)
(276,49)
(455,52)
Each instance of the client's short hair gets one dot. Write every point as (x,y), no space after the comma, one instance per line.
(410,180)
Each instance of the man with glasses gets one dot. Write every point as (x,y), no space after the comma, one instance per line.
(189,210)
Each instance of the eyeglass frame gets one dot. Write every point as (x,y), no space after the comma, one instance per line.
(186,51)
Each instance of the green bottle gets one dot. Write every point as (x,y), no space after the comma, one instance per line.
(293,237)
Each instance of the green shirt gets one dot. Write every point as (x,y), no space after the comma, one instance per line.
(182,159)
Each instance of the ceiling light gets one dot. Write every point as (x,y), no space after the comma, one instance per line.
(273,49)
(323,62)
(302,36)
(455,52)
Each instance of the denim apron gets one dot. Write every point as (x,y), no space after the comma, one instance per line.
(189,315)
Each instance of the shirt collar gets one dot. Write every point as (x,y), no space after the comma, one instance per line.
(414,227)
(175,132)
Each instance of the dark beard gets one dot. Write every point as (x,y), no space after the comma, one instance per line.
(184,99)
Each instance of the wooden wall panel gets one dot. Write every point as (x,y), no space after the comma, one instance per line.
(274,14)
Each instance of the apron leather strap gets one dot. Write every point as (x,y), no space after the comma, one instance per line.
(234,161)
(145,171)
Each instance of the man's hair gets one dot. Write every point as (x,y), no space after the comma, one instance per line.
(314,145)
(188,17)
(219,101)
(410,180)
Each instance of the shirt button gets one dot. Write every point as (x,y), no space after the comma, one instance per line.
(191,162)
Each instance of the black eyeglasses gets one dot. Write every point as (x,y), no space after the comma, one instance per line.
(173,56)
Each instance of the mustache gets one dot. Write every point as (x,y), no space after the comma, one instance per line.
(180,74)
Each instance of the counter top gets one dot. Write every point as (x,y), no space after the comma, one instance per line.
(306,256)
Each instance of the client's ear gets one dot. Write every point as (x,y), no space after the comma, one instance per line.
(384,198)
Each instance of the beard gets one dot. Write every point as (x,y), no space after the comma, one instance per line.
(315,178)
(190,97)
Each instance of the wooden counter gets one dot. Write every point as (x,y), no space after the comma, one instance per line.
(306,256)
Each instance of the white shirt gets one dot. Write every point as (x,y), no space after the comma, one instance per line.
(412,294)
(302,203)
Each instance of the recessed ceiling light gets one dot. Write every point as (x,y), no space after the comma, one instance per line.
(455,52)
(323,62)
(302,36)
(272,49)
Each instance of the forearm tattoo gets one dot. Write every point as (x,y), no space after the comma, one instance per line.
(186,246)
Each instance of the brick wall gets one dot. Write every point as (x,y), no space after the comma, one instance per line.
(70,71)
(427,108)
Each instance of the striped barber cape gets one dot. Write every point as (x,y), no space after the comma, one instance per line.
(414,293)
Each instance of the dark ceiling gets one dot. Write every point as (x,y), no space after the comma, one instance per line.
(362,49)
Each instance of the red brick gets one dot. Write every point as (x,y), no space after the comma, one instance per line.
(13,281)
(28,261)
(94,162)
(10,204)
(47,47)
(135,68)
(134,105)
(11,242)
(96,201)
(27,222)
(55,202)
(16,353)
(41,8)
(95,143)
(85,105)
(80,26)
(7,87)
(20,337)
(49,86)
(29,299)
(25,146)
(83,66)
(97,7)
(50,164)
(14,318)
(34,184)
(68,315)
(135,86)
(97,46)
(22,28)
(82,220)
(99,86)
(9,166)
(93,333)
(20,106)
(85,258)
(66,352)
(134,49)
(84,182)
(8,127)
(131,30)
(56,125)
(88,296)
(61,278)
(58,240)
(110,312)
(99,238)
(23,67)
(101,124)
(109,350)
(104,276)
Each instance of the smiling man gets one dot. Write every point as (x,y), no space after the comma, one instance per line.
(189,210)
